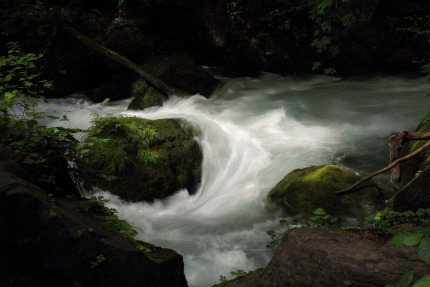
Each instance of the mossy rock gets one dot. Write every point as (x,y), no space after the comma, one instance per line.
(304,190)
(177,167)
(415,195)
(181,71)
(145,96)
(420,161)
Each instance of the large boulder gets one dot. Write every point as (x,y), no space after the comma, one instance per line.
(316,257)
(304,190)
(177,165)
(54,241)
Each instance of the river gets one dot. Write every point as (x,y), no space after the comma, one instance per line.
(253,132)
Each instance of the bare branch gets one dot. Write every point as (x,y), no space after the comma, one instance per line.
(394,163)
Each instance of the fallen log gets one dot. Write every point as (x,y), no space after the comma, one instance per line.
(390,166)
(154,81)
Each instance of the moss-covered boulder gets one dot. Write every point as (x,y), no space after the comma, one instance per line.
(304,190)
(165,160)
(145,96)
(417,163)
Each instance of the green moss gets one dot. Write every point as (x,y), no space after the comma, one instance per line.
(304,190)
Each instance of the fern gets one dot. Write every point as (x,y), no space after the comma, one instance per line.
(115,142)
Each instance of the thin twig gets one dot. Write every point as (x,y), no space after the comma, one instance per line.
(393,164)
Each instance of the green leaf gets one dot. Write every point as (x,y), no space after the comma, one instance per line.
(28,161)
(423,282)
(398,239)
(406,279)
(424,249)
(319,211)
(412,240)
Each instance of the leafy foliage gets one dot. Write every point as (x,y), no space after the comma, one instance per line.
(46,152)
(419,26)
(113,142)
(20,78)
(420,237)
(97,261)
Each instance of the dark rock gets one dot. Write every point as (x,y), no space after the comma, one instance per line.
(315,257)
(304,190)
(181,71)
(114,90)
(46,241)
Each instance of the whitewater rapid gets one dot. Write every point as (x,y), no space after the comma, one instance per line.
(252,132)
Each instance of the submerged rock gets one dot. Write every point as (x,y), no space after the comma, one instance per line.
(304,190)
(52,241)
(316,257)
(177,166)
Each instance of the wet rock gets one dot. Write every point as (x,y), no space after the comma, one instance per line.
(315,257)
(304,190)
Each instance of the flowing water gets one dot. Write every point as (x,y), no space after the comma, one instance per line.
(253,132)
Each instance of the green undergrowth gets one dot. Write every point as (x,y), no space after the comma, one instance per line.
(383,222)
(97,205)
(49,153)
